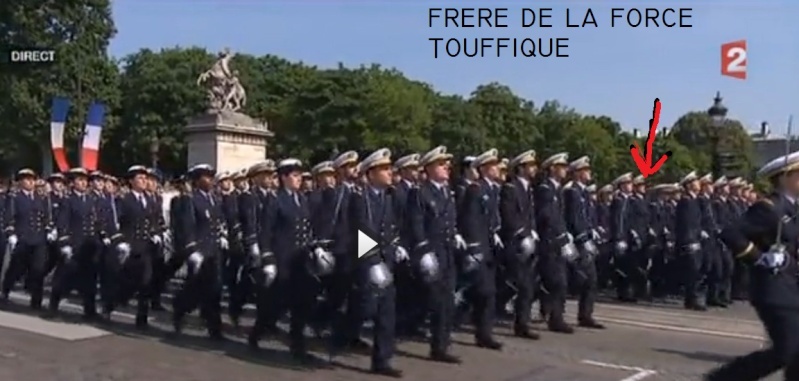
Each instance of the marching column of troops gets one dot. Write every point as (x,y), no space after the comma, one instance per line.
(503,236)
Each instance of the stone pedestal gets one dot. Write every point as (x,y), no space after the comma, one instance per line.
(227,140)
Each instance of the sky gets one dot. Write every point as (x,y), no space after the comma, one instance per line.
(615,71)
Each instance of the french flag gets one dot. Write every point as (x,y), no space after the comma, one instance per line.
(90,150)
(58,121)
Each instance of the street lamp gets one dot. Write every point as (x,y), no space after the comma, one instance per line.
(718,116)
(155,146)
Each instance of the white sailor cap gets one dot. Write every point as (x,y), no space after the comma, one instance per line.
(690,177)
(241,174)
(782,164)
(266,166)
(707,179)
(289,165)
(721,181)
(224,175)
(736,182)
(77,172)
(323,167)
(503,164)
(436,154)
(408,161)
(137,170)
(581,163)
(201,170)
(625,178)
(556,159)
(523,158)
(377,158)
(468,160)
(488,157)
(591,188)
(660,187)
(608,188)
(346,158)
(639,180)
(56,176)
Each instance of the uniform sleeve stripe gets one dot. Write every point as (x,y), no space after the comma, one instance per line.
(746,251)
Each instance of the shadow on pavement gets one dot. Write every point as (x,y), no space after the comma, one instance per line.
(698,355)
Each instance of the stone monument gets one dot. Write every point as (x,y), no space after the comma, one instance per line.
(223,136)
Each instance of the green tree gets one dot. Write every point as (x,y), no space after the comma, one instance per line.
(707,142)
(79,31)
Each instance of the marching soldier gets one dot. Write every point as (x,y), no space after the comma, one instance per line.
(517,216)
(433,221)
(740,281)
(287,240)
(57,193)
(79,245)
(336,226)
(622,236)
(720,286)
(689,240)
(202,226)
(234,257)
(479,223)
(577,211)
(468,174)
(28,228)
(324,178)
(252,204)
(641,242)
(604,262)
(132,245)
(157,228)
(374,212)
(410,290)
(557,247)
(765,237)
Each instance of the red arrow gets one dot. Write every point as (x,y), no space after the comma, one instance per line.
(644,163)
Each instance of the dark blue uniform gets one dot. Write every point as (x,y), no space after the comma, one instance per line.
(775,296)
(689,241)
(373,211)
(479,222)
(28,218)
(552,267)
(135,272)
(582,272)
(623,243)
(433,221)
(78,226)
(286,232)
(517,215)
(199,224)
(720,277)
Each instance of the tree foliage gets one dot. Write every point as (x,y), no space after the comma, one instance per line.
(313,111)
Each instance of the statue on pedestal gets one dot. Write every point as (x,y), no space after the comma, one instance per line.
(223,87)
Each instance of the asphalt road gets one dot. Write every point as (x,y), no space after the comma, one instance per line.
(33,349)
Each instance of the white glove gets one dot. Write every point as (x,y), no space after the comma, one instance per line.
(534,235)
(318,252)
(570,237)
(123,250)
(66,252)
(106,241)
(772,259)
(255,251)
(651,231)
(401,255)
(497,241)
(12,241)
(595,235)
(195,260)
(460,243)
(52,235)
(704,235)
(223,243)
(156,239)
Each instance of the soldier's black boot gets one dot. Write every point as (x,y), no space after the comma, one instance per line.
(387,370)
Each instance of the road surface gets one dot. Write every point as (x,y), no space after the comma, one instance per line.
(649,344)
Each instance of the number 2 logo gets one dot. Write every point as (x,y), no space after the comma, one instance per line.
(733,59)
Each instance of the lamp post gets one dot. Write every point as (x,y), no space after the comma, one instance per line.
(718,117)
(155,146)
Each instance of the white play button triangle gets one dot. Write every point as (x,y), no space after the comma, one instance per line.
(365,243)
